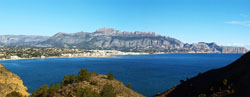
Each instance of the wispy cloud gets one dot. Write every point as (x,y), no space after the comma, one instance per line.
(244,15)
(243,23)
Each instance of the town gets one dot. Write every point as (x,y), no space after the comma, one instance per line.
(17,52)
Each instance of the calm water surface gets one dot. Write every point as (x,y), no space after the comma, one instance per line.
(148,74)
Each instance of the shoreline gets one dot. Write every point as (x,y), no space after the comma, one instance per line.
(109,56)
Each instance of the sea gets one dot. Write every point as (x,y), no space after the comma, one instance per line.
(148,74)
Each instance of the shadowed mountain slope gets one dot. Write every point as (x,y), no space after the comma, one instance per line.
(230,81)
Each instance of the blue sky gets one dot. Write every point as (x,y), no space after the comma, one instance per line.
(226,22)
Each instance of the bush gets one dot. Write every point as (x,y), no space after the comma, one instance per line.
(129,85)
(14,94)
(42,92)
(110,76)
(202,95)
(108,91)
(53,89)
(86,92)
(83,75)
(68,79)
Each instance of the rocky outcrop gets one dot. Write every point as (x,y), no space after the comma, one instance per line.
(229,81)
(10,82)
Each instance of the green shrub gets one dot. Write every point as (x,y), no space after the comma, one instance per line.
(14,94)
(93,83)
(110,76)
(83,75)
(129,85)
(41,92)
(53,89)
(86,92)
(68,79)
(202,95)
(108,91)
(225,81)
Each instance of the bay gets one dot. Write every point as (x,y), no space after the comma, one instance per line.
(148,74)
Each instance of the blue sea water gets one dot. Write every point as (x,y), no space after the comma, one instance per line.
(148,74)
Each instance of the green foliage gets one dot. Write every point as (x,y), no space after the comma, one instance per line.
(14,94)
(45,91)
(211,89)
(110,76)
(93,83)
(86,92)
(202,95)
(108,91)
(129,85)
(83,75)
(42,92)
(68,79)
(53,89)
(225,81)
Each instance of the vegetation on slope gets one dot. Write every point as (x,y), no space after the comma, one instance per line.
(86,84)
(230,81)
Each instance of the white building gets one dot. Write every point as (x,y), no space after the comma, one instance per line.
(14,57)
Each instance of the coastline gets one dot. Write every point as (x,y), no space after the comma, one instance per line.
(108,56)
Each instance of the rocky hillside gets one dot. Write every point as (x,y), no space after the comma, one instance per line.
(10,82)
(15,40)
(230,81)
(108,38)
(87,85)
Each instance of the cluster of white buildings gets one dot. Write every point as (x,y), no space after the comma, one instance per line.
(100,53)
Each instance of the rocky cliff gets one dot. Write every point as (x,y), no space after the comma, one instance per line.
(10,82)
(232,80)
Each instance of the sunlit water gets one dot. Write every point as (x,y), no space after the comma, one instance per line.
(148,74)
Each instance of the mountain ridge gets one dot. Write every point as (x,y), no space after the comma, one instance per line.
(109,38)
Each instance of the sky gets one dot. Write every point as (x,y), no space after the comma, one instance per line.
(226,22)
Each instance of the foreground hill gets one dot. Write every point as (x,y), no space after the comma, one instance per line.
(10,82)
(87,85)
(230,81)
(108,38)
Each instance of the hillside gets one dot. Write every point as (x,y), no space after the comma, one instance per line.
(17,40)
(109,38)
(87,85)
(232,80)
(10,82)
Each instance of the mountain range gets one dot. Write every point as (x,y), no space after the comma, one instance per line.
(109,38)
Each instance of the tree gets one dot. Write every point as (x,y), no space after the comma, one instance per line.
(68,79)
(14,94)
(83,75)
(129,85)
(53,88)
(42,92)
(110,76)
(108,91)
